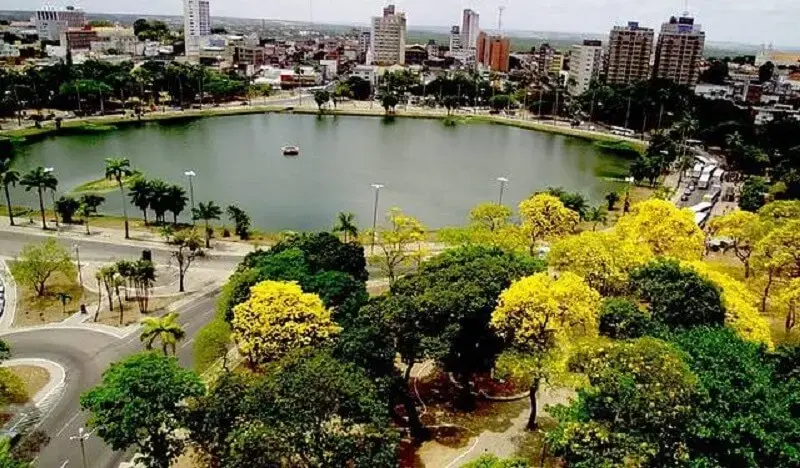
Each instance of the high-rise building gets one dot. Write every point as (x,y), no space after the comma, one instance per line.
(455,38)
(629,51)
(493,52)
(470,28)
(51,22)
(196,24)
(679,51)
(584,65)
(388,41)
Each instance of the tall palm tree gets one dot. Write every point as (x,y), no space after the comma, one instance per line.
(140,193)
(8,177)
(165,329)
(42,180)
(118,169)
(207,212)
(345,224)
(159,200)
(176,201)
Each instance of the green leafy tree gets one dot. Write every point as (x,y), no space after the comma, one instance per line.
(119,169)
(321,97)
(389,101)
(492,461)
(207,212)
(345,224)
(41,180)
(678,296)
(141,403)
(176,201)
(240,220)
(67,206)
(141,194)
(38,262)
(500,102)
(165,329)
(753,195)
(88,205)
(8,178)
(596,215)
(187,247)
(323,251)
(622,319)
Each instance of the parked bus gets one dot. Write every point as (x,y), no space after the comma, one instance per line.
(622,131)
(705,180)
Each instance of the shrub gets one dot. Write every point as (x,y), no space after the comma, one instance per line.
(211,344)
(622,319)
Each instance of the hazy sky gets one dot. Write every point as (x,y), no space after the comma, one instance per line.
(753,21)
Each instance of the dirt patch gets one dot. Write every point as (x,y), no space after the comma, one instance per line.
(34,310)
(34,378)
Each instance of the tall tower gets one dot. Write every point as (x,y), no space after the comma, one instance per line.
(629,51)
(470,27)
(196,24)
(679,51)
(388,38)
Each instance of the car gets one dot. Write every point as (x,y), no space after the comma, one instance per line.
(684,197)
(692,187)
(687,192)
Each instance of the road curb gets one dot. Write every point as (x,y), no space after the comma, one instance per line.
(8,297)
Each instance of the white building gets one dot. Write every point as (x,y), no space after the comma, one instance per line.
(388,38)
(51,21)
(455,39)
(366,72)
(8,51)
(584,65)
(470,28)
(196,24)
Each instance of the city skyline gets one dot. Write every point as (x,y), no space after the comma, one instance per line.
(736,21)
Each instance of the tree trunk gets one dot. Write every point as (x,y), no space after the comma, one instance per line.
(181,276)
(418,432)
(208,236)
(124,208)
(174,219)
(770,279)
(121,311)
(746,269)
(86,222)
(533,391)
(41,209)
(144,215)
(791,320)
(8,203)
(466,400)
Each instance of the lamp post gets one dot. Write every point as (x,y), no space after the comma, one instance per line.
(49,170)
(82,436)
(377,188)
(78,261)
(191,175)
(503,181)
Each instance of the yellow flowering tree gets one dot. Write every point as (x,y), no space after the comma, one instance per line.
(544,217)
(779,212)
(745,230)
(537,315)
(489,224)
(602,258)
(490,216)
(778,256)
(790,299)
(665,229)
(279,317)
(398,244)
(741,314)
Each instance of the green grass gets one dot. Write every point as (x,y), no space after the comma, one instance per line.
(102,185)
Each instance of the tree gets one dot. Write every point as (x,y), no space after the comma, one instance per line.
(665,229)
(492,461)
(602,259)
(240,220)
(766,72)
(207,212)
(753,195)
(537,315)
(744,229)
(451,103)
(321,97)
(612,198)
(41,180)
(277,318)
(143,276)
(8,178)
(678,296)
(791,301)
(165,329)
(359,87)
(544,217)
(188,246)
(141,194)
(67,206)
(777,256)
(119,169)
(345,224)
(141,402)
(7,459)
(635,411)
(176,201)
(500,102)
(490,216)
(38,262)
(572,200)
(396,242)
(389,101)
(622,319)
(323,252)
(105,276)
(596,215)
(89,203)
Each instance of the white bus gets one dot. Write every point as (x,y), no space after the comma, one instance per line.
(705,179)
(622,131)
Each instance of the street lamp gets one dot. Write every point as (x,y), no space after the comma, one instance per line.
(82,437)
(503,181)
(377,188)
(49,170)
(191,175)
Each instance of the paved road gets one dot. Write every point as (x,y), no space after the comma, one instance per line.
(85,354)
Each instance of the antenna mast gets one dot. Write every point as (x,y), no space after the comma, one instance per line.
(500,19)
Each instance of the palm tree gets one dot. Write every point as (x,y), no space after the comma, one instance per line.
(88,206)
(140,193)
(207,212)
(345,224)
(166,329)
(596,215)
(42,180)
(176,201)
(159,200)
(8,177)
(118,169)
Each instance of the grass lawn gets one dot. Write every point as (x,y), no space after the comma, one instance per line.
(34,377)
(34,310)
(101,185)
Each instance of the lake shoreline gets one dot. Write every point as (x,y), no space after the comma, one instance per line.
(93,125)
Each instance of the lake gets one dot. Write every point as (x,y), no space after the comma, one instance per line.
(431,171)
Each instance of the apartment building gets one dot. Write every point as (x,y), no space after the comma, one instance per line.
(629,50)
(585,64)
(196,24)
(455,38)
(470,29)
(493,52)
(679,51)
(51,21)
(388,38)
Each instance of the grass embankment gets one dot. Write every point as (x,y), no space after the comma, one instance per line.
(33,377)
(102,185)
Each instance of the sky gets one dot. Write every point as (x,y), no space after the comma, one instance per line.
(747,21)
